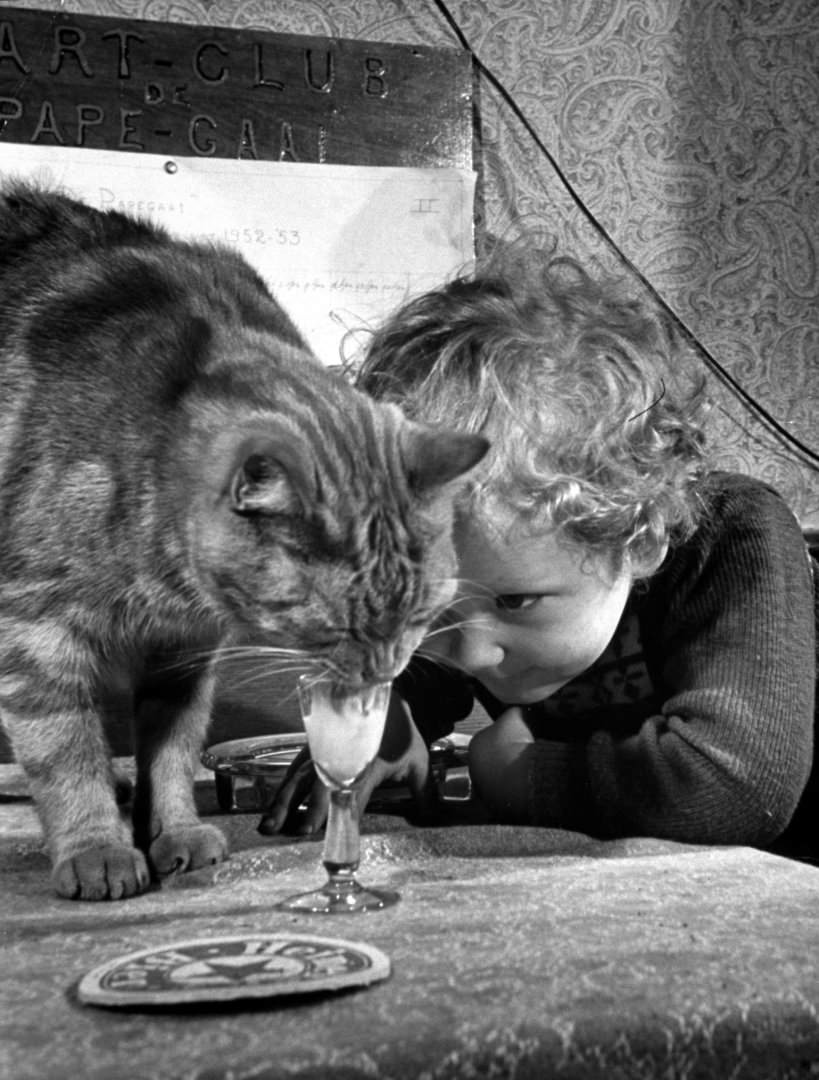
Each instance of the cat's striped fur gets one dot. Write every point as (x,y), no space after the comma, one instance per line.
(177,472)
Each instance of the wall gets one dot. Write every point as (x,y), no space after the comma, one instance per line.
(687,129)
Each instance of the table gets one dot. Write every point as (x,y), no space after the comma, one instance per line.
(516,952)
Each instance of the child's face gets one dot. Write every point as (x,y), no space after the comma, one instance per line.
(529,615)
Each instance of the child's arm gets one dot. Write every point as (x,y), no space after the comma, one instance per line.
(728,629)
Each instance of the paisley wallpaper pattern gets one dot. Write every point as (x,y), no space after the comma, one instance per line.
(688,128)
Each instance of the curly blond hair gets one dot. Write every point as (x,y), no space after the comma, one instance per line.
(595,423)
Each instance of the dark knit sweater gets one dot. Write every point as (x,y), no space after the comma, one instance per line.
(697,723)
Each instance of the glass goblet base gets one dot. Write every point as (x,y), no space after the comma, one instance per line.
(341,895)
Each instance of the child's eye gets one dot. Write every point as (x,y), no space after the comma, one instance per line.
(516,601)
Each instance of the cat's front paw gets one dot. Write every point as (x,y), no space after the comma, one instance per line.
(102,873)
(187,848)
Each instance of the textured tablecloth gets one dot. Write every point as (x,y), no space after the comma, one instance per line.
(515,952)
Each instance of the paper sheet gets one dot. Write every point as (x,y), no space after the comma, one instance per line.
(340,246)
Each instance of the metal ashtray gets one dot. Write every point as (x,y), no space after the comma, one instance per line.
(248,772)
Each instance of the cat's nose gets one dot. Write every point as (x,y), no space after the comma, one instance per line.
(380,667)
(373,675)
(378,662)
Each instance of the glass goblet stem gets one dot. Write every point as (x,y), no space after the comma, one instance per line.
(341,839)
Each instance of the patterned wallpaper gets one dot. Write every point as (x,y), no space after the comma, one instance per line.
(688,130)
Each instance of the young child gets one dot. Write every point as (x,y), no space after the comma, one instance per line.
(640,629)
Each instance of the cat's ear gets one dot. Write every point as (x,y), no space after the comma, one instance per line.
(267,479)
(434,456)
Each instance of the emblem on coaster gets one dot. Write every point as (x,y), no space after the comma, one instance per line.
(227,969)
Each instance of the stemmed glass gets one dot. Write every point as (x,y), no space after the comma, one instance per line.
(344,733)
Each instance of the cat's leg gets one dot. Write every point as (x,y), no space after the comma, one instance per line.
(172,716)
(57,736)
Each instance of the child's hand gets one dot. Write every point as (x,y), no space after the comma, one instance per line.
(402,756)
(300,787)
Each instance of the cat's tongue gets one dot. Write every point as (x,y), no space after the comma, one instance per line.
(344,732)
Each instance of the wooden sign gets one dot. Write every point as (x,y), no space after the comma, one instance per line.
(168,88)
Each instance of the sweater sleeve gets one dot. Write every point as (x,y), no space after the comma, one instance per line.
(729,636)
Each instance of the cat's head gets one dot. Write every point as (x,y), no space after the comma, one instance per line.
(329,527)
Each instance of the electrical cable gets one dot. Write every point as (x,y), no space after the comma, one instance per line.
(711,361)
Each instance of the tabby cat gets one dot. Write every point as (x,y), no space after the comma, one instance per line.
(177,472)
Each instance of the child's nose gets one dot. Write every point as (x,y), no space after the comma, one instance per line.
(477,647)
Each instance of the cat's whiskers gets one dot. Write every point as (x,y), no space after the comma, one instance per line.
(259,648)
(268,660)
(444,665)
(472,590)
(445,628)
(249,679)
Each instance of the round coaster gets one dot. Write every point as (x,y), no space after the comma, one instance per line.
(230,968)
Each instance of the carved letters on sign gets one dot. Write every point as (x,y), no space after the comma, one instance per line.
(89,81)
